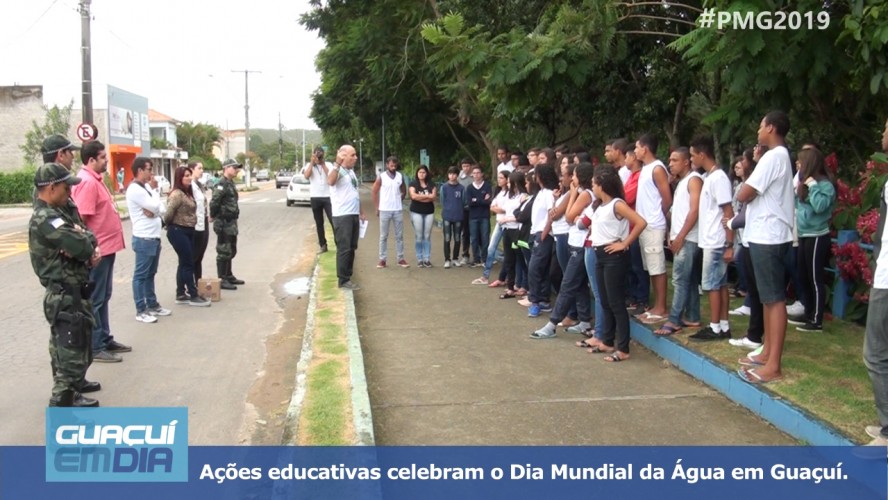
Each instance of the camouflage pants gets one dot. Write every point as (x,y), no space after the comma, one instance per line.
(69,364)
(226,240)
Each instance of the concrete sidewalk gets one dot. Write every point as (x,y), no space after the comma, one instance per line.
(448,363)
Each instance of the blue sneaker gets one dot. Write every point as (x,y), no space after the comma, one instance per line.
(545,307)
(533,311)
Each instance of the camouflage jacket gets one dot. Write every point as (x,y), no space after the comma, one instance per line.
(60,252)
(70,208)
(223,204)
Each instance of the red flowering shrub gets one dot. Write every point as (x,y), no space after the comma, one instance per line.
(867,225)
(853,263)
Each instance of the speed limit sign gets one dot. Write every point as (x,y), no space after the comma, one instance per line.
(87,132)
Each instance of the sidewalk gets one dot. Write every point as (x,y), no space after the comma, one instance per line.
(448,363)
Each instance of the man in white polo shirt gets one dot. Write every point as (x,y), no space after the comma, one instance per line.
(347,213)
(652,204)
(770,217)
(875,342)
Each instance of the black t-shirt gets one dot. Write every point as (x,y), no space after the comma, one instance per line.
(422,207)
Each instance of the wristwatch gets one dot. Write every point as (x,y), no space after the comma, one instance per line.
(729,244)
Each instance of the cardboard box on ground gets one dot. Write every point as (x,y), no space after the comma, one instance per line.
(210,288)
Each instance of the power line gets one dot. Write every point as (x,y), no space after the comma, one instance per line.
(28,29)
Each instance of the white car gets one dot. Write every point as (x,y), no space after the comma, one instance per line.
(298,191)
(163,185)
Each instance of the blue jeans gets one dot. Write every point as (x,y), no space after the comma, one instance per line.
(147,258)
(422,235)
(479,234)
(562,254)
(182,239)
(793,276)
(521,274)
(102,277)
(591,263)
(538,269)
(387,217)
(492,247)
(684,296)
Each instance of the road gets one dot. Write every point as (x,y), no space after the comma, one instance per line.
(232,364)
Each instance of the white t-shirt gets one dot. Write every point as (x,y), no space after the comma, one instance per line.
(139,197)
(319,187)
(716,193)
(770,215)
(344,198)
(509,205)
(506,165)
(542,203)
(649,203)
(560,225)
(624,174)
(681,205)
(880,278)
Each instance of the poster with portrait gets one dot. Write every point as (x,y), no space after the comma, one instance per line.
(127,118)
(120,122)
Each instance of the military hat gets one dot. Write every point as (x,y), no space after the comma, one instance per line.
(56,143)
(54,173)
(231,163)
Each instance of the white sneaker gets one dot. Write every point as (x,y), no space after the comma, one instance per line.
(446,264)
(741,311)
(874,431)
(159,311)
(144,317)
(744,342)
(796,309)
(462,262)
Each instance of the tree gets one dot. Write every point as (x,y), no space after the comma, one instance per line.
(198,138)
(56,121)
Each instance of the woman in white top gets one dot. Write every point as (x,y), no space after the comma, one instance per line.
(201,235)
(516,194)
(611,238)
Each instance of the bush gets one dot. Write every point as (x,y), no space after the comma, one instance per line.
(17,187)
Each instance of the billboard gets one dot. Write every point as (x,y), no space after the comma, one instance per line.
(128,119)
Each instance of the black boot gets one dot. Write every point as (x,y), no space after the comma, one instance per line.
(63,400)
(88,386)
(231,278)
(222,271)
(81,401)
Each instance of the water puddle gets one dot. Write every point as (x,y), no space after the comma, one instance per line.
(298,286)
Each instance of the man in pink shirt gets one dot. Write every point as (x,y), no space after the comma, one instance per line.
(99,213)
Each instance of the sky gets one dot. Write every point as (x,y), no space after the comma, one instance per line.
(179,54)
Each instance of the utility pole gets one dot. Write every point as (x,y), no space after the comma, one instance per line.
(246,73)
(303,147)
(86,98)
(280,139)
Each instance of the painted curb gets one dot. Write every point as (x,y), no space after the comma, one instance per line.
(787,417)
(294,409)
(362,415)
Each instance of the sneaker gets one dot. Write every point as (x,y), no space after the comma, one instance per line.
(159,311)
(533,311)
(477,264)
(706,334)
(421,264)
(446,264)
(323,249)
(524,302)
(350,285)
(874,431)
(545,307)
(145,317)
(403,263)
(542,334)
(879,441)
(796,309)
(462,261)
(115,346)
(480,281)
(428,264)
(810,327)
(104,356)
(182,299)
(793,319)
(740,311)
(381,265)
(744,342)
(199,301)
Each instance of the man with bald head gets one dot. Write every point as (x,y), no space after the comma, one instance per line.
(347,213)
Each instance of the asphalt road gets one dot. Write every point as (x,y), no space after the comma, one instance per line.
(222,362)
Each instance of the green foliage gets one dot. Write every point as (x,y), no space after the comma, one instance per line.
(198,138)
(17,187)
(56,121)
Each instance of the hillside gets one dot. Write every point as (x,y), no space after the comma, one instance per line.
(270,135)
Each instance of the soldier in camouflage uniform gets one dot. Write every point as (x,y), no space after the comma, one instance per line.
(224,212)
(57,149)
(62,251)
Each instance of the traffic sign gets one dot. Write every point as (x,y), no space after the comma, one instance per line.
(87,132)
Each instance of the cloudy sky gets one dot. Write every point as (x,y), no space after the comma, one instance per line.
(177,53)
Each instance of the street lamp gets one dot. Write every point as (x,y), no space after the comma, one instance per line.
(360,155)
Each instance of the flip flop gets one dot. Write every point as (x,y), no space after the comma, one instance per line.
(651,319)
(747,361)
(507,295)
(598,348)
(614,357)
(750,376)
(585,344)
(667,330)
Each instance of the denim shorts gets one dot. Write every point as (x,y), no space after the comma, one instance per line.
(770,270)
(715,270)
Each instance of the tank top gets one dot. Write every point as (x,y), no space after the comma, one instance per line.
(607,228)
(390,192)
(681,205)
(648,203)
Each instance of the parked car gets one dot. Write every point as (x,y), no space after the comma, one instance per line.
(282,179)
(262,175)
(298,191)
(163,185)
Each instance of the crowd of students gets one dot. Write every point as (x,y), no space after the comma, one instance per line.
(596,239)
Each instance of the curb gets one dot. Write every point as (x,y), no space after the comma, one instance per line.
(787,417)
(362,416)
